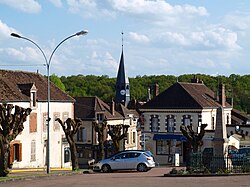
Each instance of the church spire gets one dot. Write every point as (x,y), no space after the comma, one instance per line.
(122,83)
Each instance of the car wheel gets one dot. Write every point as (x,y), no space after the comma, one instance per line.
(141,167)
(106,168)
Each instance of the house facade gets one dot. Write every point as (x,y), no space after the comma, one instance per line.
(91,109)
(29,90)
(189,104)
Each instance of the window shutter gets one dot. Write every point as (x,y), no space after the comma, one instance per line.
(11,154)
(20,152)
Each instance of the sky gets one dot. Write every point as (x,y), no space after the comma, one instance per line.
(160,37)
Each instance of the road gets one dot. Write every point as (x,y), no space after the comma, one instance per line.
(153,178)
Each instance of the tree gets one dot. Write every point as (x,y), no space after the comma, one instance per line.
(57,81)
(117,133)
(70,128)
(195,139)
(11,125)
(100,129)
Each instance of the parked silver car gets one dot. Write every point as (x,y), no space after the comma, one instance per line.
(139,160)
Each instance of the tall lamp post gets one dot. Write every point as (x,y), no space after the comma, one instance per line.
(84,32)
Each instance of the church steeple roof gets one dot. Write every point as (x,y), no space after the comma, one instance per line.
(122,82)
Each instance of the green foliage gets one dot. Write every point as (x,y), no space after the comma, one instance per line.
(236,86)
(57,81)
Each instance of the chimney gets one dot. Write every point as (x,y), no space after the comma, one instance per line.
(196,80)
(112,107)
(156,89)
(222,97)
(149,95)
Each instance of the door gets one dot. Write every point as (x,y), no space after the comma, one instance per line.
(118,162)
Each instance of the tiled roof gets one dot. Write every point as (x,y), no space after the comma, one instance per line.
(184,96)
(14,85)
(86,107)
(239,118)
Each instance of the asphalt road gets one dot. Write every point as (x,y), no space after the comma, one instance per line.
(153,178)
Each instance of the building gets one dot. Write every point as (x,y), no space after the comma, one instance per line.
(122,88)
(91,109)
(29,90)
(183,104)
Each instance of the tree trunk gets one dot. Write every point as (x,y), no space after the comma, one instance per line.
(116,142)
(4,157)
(74,159)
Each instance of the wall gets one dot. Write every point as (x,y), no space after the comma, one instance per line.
(56,153)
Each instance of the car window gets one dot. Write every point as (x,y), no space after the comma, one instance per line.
(121,156)
(134,155)
(148,153)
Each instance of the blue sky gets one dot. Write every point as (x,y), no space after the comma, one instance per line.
(161,37)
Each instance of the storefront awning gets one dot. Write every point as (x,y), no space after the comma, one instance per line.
(177,137)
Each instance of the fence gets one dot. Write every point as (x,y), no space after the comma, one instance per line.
(199,163)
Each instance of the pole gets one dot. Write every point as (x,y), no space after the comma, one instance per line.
(144,141)
(48,84)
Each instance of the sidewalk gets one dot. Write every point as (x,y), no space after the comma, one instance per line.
(21,173)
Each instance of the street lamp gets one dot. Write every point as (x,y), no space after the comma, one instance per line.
(83,32)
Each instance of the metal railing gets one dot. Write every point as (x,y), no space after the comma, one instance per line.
(200,163)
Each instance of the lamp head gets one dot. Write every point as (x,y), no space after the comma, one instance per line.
(83,32)
(15,35)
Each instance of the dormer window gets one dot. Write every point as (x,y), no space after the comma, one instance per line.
(100,117)
(29,90)
(33,95)
(33,99)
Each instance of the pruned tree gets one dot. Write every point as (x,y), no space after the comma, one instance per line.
(70,128)
(100,128)
(195,139)
(117,133)
(11,125)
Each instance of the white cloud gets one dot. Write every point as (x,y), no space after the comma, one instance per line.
(100,63)
(138,37)
(89,9)
(157,7)
(5,30)
(56,3)
(26,54)
(212,37)
(29,6)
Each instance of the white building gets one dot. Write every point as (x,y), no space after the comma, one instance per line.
(90,109)
(29,90)
(189,104)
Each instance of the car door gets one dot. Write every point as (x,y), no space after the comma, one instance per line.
(132,160)
(117,162)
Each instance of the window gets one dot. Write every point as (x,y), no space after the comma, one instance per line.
(162,147)
(134,136)
(82,135)
(170,123)
(65,116)
(213,123)
(45,122)
(33,151)
(168,147)
(121,156)
(15,152)
(33,99)
(155,123)
(56,123)
(227,118)
(66,154)
(33,122)
(99,118)
(187,120)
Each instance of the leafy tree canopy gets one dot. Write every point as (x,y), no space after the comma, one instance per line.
(237,86)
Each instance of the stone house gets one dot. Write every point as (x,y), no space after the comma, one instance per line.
(182,104)
(90,109)
(29,90)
